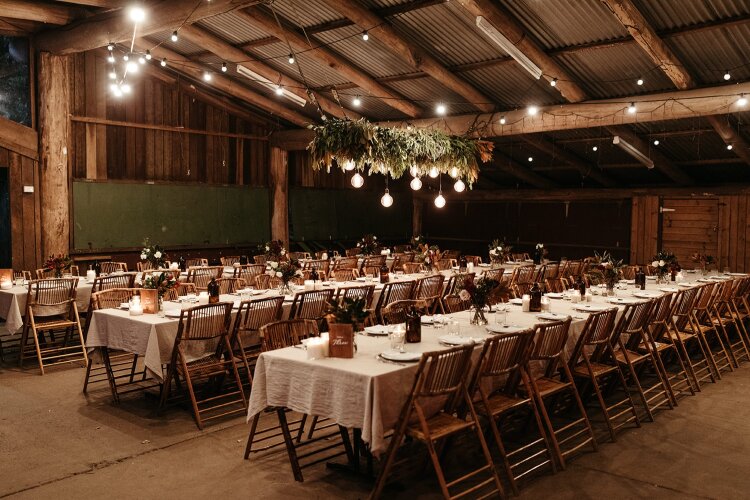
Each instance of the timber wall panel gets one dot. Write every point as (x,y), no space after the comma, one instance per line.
(644,228)
(24,210)
(691,228)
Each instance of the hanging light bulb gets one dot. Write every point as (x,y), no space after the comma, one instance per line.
(553,82)
(141,60)
(502,120)
(434,172)
(440,109)
(531,158)
(453,172)
(742,101)
(595,148)
(279,90)
(349,165)
(357,101)
(413,171)
(639,81)
(110,58)
(631,108)
(137,14)
(365,36)
(440,200)
(126,57)
(163,62)
(112,75)
(110,47)
(174,36)
(132,67)
(387,199)
(117,92)
(416,184)
(357,180)
(729,147)
(291,58)
(125,87)
(656,142)
(727,76)
(223,67)
(207,76)
(113,86)
(459,186)
(148,55)
(532,110)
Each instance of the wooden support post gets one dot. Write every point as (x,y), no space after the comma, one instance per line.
(279,184)
(416,216)
(54,130)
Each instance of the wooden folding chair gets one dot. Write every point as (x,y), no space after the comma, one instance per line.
(413,267)
(721,315)
(503,358)
(230,285)
(310,304)
(248,272)
(245,338)
(202,352)
(392,292)
(201,276)
(593,365)
(320,265)
(52,322)
(196,262)
(181,290)
(453,303)
(345,263)
(430,291)
(703,326)
(341,275)
(442,376)
(229,260)
(395,312)
(113,267)
(374,261)
(260,259)
(548,347)
(692,346)
(556,285)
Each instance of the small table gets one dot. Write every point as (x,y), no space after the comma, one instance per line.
(13,304)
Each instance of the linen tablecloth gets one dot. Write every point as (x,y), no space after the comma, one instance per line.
(13,305)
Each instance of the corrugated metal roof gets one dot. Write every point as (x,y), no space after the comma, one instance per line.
(305,13)
(708,54)
(511,86)
(232,28)
(181,45)
(669,14)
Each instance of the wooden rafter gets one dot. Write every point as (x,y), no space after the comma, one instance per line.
(659,52)
(583,166)
(107,4)
(187,67)
(232,54)
(414,55)
(510,166)
(99,30)
(42,12)
(19,138)
(330,59)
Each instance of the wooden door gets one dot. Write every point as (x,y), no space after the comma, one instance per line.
(692,227)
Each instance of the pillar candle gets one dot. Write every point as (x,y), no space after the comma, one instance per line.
(526,303)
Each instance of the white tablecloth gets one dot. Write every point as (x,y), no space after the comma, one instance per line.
(13,305)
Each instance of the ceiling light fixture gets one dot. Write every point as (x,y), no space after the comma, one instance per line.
(357,180)
(174,36)
(440,109)
(387,199)
(416,184)
(270,85)
(137,14)
(163,62)
(357,101)
(291,59)
(459,186)
(553,82)
(365,36)
(532,110)
(223,67)
(502,120)
(639,82)
(508,46)
(633,151)
(440,200)
(727,76)
(631,108)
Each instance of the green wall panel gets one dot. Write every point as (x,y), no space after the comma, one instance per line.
(121,215)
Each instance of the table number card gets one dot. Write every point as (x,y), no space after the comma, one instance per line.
(340,340)
(150,300)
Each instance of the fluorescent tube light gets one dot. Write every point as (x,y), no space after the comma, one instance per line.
(505,44)
(268,83)
(633,151)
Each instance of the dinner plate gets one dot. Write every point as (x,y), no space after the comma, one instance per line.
(624,300)
(518,302)
(720,278)
(505,328)
(589,308)
(669,289)
(401,356)
(645,294)
(687,285)
(650,277)
(457,340)
(628,282)
(552,316)
(173,313)
(736,274)
(379,329)
(554,295)
(428,320)
(705,280)
(362,278)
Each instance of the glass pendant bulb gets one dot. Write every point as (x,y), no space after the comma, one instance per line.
(387,199)
(459,186)
(357,180)
(434,172)
(440,200)
(416,184)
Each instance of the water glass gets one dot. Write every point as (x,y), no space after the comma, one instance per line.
(454,328)
(501,316)
(438,321)
(397,338)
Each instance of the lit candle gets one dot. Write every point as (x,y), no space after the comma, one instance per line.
(575,297)
(174,266)
(6,283)
(470,267)
(309,285)
(135,309)
(325,339)
(526,303)
(203,298)
(546,303)
(90,275)
(315,348)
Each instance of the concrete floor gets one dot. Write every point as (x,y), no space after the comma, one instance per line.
(55,442)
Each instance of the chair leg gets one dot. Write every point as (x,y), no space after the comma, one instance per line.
(290,449)
(483,443)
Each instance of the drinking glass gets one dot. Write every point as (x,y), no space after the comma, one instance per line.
(397,338)
(454,328)
(437,321)
(501,316)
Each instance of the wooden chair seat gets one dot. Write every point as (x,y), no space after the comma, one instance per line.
(599,369)
(549,386)
(682,335)
(209,366)
(660,346)
(55,322)
(500,403)
(441,425)
(633,356)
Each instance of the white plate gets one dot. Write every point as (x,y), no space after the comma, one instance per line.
(379,329)
(552,316)
(173,313)
(362,278)
(669,289)
(518,302)
(687,285)
(554,295)
(628,282)
(650,277)
(401,356)
(457,340)
(591,308)
(505,329)
(625,300)
(645,294)
(720,278)
(705,280)
(736,274)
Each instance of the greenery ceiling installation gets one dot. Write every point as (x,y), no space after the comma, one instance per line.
(360,145)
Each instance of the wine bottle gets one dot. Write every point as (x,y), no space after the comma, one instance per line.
(384,273)
(213,291)
(535,303)
(413,326)
(462,264)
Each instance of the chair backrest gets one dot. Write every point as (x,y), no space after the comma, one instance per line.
(248,272)
(574,268)
(113,281)
(412,267)
(398,261)
(549,344)
(443,373)
(319,264)
(444,264)
(556,285)
(202,329)
(594,342)
(661,316)
(684,303)
(111,298)
(299,255)
(229,260)
(628,272)
(366,292)
(552,270)
(344,274)
(262,282)
(195,262)
(143,265)
(525,274)
(503,356)
(373,271)
(633,323)
(705,299)
(430,287)
(518,257)
(113,267)
(230,285)
(288,333)
(453,303)
(394,291)
(260,259)
(182,289)
(373,261)
(253,314)
(49,297)
(473,259)
(395,312)
(345,263)
(456,281)
(201,276)
(310,304)
(494,274)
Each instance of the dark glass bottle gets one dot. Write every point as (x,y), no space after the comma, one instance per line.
(243,260)
(314,275)
(413,326)
(640,278)
(535,302)
(582,286)
(97,267)
(384,278)
(673,276)
(181,262)
(462,264)
(213,291)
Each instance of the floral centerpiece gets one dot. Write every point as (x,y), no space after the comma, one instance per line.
(415,241)
(274,250)
(286,271)
(481,293)
(499,252)
(665,262)
(605,270)
(58,264)
(154,255)
(427,255)
(344,318)
(539,253)
(161,283)
(702,260)
(368,245)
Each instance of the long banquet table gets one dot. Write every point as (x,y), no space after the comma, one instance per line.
(367,393)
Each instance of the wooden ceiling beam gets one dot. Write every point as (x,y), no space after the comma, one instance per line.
(324,56)
(43,12)
(225,84)
(510,166)
(107,4)
(19,138)
(583,166)
(101,29)
(414,55)
(660,53)
(231,54)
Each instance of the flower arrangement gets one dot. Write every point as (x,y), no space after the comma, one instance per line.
(161,282)
(368,245)
(483,291)
(415,241)
(539,253)
(665,262)
(702,259)
(349,311)
(358,144)
(58,264)
(604,269)
(274,250)
(499,252)
(286,270)
(154,254)
(428,255)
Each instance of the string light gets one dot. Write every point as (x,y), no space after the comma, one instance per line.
(502,120)
(279,90)
(440,200)
(595,148)
(357,101)
(132,67)
(207,76)
(125,57)
(532,110)
(727,76)
(639,81)
(454,172)
(148,55)
(742,101)
(413,171)
(291,58)
(357,180)
(416,184)
(531,158)
(174,36)
(349,165)
(125,87)
(141,60)
(433,172)
(440,109)
(110,47)
(387,199)
(223,67)
(365,36)
(459,186)
(656,142)
(137,14)
(553,82)
(112,75)
(631,108)
(117,92)
(163,62)
(111,58)
(730,147)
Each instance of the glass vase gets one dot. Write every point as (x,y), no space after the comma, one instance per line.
(285,288)
(610,289)
(478,317)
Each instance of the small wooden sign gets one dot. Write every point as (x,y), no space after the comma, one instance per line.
(340,340)
(150,300)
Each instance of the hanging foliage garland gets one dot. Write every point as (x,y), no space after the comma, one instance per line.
(349,145)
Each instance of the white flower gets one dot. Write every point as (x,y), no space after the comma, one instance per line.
(268,248)
(279,275)
(157,255)
(661,263)
(493,252)
(655,263)
(359,244)
(143,256)
(539,246)
(374,237)
(499,249)
(464,295)
(283,252)
(274,265)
